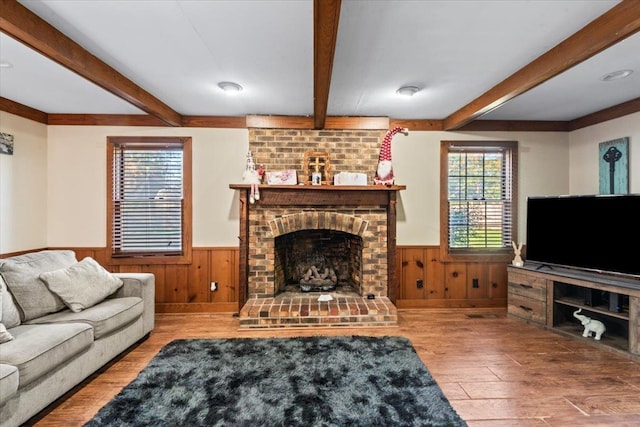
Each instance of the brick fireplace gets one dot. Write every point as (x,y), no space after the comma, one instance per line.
(348,232)
(365,214)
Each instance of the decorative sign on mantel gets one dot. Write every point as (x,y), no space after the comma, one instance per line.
(284,177)
(350,178)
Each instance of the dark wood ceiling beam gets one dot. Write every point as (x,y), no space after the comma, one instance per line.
(620,110)
(357,123)
(23,25)
(416,124)
(515,126)
(225,122)
(23,111)
(279,122)
(326,14)
(620,22)
(105,120)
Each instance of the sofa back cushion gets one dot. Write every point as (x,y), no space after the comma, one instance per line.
(22,275)
(9,314)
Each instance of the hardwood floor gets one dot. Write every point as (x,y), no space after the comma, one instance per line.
(496,371)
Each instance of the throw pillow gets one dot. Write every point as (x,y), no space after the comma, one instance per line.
(29,292)
(4,334)
(82,285)
(9,314)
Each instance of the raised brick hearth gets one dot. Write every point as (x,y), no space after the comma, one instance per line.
(289,309)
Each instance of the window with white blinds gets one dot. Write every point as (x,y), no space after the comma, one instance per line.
(480,196)
(147,212)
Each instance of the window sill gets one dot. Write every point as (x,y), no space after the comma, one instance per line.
(476,257)
(150,260)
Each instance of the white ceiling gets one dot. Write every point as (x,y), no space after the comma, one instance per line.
(455,51)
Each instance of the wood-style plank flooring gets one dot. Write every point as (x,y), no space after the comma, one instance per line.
(495,370)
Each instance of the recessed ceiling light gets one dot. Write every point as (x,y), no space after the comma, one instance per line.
(5,64)
(408,90)
(230,87)
(616,75)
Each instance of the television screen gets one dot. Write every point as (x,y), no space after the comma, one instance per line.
(599,233)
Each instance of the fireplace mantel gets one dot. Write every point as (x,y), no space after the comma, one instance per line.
(320,195)
(312,196)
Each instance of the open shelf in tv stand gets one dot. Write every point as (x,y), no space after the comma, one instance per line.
(548,297)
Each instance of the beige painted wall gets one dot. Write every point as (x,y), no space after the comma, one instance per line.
(53,193)
(77,188)
(584,155)
(23,186)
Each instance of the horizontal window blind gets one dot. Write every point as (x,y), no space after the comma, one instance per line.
(479,198)
(147,199)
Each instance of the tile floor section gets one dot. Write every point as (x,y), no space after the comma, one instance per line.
(303,309)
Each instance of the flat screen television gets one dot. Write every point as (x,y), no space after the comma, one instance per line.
(597,233)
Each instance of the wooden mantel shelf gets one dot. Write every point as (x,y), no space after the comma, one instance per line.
(319,195)
(321,187)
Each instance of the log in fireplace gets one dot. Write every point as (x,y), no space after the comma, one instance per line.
(358,221)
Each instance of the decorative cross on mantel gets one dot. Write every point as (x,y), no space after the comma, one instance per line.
(317,163)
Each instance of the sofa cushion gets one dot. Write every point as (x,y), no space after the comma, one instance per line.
(106,317)
(8,382)
(9,314)
(22,275)
(81,285)
(38,349)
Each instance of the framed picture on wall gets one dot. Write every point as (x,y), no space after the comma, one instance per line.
(614,166)
(6,143)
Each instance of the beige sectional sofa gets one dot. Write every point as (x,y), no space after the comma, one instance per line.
(60,321)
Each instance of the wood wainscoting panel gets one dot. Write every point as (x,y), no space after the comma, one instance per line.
(421,273)
(498,282)
(99,254)
(412,277)
(185,288)
(426,282)
(477,277)
(176,283)
(455,280)
(224,271)
(434,284)
(199,274)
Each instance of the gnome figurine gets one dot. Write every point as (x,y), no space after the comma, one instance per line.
(384,173)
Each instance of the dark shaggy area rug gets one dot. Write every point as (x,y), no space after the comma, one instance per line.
(306,381)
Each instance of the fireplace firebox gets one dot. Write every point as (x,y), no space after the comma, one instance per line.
(318,260)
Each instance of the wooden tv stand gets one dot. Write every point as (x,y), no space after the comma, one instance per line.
(547,297)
